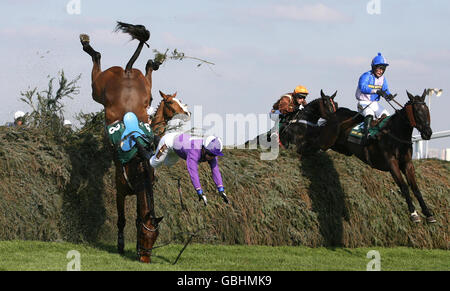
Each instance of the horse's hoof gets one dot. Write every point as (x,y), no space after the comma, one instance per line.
(431,219)
(84,39)
(144,259)
(415,217)
(120,244)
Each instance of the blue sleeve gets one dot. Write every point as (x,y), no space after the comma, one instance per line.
(363,84)
(385,87)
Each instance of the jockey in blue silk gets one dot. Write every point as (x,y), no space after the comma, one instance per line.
(371,86)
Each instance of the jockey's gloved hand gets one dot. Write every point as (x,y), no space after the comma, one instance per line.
(381,93)
(389,97)
(222,194)
(201,196)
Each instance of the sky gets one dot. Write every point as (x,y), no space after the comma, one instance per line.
(261,49)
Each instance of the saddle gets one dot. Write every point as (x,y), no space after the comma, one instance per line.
(357,132)
(124,135)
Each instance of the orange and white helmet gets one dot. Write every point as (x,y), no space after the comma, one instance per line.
(300,90)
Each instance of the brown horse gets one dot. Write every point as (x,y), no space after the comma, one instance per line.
(166,110)
(120,91)
(391,149)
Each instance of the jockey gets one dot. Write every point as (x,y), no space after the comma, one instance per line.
(288,103)
(175,145)
(18,119)
(371,86)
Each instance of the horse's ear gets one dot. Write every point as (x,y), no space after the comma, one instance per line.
(322,94)
(175,94)
(410,96)
(424,94)
(162,94)
(334,95)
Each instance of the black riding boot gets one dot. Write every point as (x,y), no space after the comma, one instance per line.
(367,122)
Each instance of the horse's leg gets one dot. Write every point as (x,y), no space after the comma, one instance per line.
(149,68)
(397,175)
(97,85)
(96,56)
(122,191)
(120,203)
(411,178)
(328,134)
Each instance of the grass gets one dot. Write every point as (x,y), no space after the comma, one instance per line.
(34,255)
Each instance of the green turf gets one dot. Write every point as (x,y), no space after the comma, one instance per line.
(32,255)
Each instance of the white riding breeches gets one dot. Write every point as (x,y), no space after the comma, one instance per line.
(373,108)
(164,152)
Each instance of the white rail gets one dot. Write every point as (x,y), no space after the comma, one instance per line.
(418,143)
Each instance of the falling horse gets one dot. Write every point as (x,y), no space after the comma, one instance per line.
(391,148)
(301,126)
(122,91)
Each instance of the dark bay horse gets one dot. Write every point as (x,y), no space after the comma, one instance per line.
(302,129)
(391,149)
(120,91)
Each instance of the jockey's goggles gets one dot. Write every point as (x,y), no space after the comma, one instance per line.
(299,95)
(381,67)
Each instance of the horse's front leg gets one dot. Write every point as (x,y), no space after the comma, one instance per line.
(411,178)
(397,175)
(120,203)
(328,134)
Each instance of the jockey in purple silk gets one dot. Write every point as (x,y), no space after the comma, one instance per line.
(194,150)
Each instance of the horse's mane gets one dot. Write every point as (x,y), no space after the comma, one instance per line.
(312,107)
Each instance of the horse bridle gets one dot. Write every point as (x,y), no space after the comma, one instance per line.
(409,116)
(158,125)
(141,251)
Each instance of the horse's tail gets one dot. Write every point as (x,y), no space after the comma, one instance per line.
(138,32)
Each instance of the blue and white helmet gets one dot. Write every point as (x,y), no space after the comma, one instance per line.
(379,60)
(213,145)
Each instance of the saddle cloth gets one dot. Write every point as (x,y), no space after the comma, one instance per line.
(357,132)
(115,132)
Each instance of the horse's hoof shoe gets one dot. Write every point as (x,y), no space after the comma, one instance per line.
(431,219)
(415,217)
(84,38)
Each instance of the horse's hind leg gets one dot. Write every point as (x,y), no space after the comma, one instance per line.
(96,56)
(410,177)
(122,191)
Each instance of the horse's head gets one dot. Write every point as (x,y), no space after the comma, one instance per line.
(148,233)
(419,114)
(327,105)
(173,106)
(169,107)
